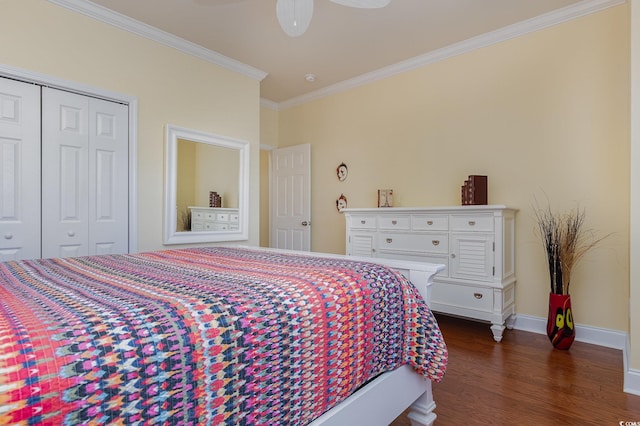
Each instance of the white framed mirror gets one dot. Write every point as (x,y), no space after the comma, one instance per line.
(206,187)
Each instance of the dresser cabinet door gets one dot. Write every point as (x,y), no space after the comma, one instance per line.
(472,256)
(361,245)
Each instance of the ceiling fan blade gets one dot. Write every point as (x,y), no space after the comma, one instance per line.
(294,16)
(363,4)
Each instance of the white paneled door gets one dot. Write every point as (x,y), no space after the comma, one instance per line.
(291,198)
(84,175)
(19,170)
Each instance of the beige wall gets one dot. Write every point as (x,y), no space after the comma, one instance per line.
(264,198)
(545,116)
(171,88)
(185,182)
(217,169)
(269,134)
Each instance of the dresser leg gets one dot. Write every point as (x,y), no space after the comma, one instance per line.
(497,330)
(511,321)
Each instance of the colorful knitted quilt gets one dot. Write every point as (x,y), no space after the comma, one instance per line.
(202,336)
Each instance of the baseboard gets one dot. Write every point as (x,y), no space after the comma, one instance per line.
(632,381)
(631,376)
(584,333)
(595,336)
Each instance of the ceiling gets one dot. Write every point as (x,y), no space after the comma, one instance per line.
(341,43)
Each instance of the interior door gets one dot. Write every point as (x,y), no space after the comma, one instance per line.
(84,175)
(19,170)
(291,198)
(65,174)
(108,177)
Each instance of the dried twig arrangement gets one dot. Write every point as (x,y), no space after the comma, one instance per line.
(185,218)
(565,242)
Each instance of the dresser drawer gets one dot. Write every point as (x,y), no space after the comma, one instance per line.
(222,217)
(394,222)
(425,243)
(213,226)
(363,222)
(462,296)
(427,222)
(234,218)
(476,222)
(197,215)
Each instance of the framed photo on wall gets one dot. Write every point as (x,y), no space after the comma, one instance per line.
(385,197)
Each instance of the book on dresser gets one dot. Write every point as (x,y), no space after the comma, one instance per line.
(475,243)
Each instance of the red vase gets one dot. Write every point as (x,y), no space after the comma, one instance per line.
(560,328)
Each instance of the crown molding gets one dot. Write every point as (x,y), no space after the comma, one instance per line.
(568,13)
(583,8)
(118,20)
(266,103)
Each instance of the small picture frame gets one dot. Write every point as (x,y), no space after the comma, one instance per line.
(342,171)
(385,197)
(341,202)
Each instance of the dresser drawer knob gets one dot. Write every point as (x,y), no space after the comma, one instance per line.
(363,222)
(477,295)
(435,242)
(8,236)
(394,222)
(472,222)
(71,234)
(429,222)
(453,255)
(389,240)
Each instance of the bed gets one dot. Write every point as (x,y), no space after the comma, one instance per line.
(218,335)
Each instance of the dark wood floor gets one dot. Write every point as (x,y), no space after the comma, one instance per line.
(524,381)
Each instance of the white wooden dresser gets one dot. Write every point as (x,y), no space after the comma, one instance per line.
(214,219)
(475,243)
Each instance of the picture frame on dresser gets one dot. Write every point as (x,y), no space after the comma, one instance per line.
(475,243)
(385,197)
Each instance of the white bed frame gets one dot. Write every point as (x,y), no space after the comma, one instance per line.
(390,394)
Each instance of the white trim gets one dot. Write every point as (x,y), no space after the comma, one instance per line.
(632,376)
(632,381)
(584,333)
(131,101)
(123,22)
(593,335)
(171,234)
(266,103)
(546,20)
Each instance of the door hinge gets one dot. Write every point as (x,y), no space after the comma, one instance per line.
(494,271)
(494,246)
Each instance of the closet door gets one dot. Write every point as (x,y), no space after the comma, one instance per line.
(108,177)
(19,170)
(84,175)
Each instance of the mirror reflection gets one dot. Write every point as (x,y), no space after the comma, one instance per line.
(206,190)
(207,185)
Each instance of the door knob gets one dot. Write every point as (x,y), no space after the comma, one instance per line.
(305,223)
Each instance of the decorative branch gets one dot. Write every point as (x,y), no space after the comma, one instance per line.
(565,243)
(185,218)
